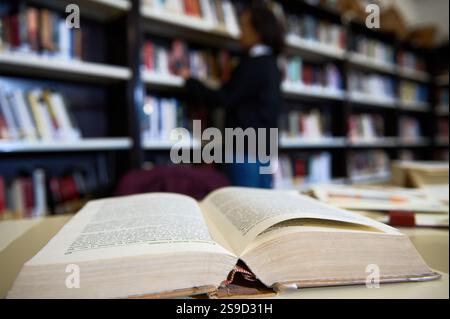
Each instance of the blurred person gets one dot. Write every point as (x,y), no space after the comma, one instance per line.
(252,96)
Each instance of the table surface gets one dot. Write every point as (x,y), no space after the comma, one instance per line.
(22,239)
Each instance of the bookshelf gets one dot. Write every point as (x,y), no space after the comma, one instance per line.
(125,24)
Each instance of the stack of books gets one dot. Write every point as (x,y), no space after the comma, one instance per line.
(313,125)
(39,31)
(365,127)
(370,165)
(213,14)
(36,115)
(160,116)
(395,206)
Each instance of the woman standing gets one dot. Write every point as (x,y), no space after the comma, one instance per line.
(252,96)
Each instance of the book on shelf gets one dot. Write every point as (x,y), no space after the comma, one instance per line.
(24,196)
(39,192)
(307,125)
(214,14)
(36,115)
(371,85)
(298,73)
(231,227)
(43,32)
(408,60)
(302,169)
(367,164)
(413,93)
(410,129)
(163,61)
(312,29)
(373,49)
(365,127)
(160,116)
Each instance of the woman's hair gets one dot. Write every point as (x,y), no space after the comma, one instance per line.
(265,22)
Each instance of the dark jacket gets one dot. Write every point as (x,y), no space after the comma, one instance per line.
(252,96)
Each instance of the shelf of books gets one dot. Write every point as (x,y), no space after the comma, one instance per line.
(62,105)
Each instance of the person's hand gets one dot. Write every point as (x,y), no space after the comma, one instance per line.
(185,73)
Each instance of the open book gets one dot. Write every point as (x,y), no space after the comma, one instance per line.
(160,244)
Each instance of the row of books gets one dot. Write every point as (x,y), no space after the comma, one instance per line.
(313,29)
(376,86)
(36,115)
(160,116)
(413,92)
(202,64)
(365,127)
(308,125)
(217,14)
(410,128)
(299,73)
(303,168)
(372,163)
(409,60)
(39,31)
(37,193)
(374,49)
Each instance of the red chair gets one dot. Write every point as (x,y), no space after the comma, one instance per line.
(191,181)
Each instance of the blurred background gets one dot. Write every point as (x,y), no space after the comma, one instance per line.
(86,112)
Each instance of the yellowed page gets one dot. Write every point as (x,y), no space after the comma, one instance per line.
(240,214)
(130,226)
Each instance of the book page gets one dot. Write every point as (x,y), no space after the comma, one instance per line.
(130,226)
(241,214)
